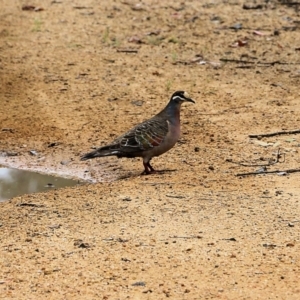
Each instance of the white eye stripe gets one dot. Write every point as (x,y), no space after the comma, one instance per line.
(178,97)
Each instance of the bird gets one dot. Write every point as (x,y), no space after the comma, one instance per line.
(150,138)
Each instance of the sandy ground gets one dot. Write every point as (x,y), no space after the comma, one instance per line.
(79,73)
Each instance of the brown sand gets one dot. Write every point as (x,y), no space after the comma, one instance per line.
(196,231)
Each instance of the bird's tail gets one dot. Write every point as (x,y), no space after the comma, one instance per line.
(104,151)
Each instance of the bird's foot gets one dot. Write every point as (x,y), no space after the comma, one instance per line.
(147,172)
(148,169)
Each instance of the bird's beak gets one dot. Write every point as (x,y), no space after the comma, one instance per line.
(189,100)
(187,97)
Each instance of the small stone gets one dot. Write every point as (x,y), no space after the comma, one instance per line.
(53,144)
(84,245)
(137,102)
(7,129)
(237,26)
(33,153)
(50,185)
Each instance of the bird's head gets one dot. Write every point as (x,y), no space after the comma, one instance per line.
(180,97)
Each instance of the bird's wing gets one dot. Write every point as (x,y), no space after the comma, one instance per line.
(144,136)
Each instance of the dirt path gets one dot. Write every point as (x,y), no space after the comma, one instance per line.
(76,75)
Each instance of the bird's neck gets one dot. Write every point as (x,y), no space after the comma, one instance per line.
(173,112)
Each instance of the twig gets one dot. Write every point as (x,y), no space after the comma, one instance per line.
(237,61)
(230,239)
(30,204)
(279,85)
(270,172)
(245,67)
(175,196)
(271,63)
(270,163)
(83,126)
(274,133)
(128,50)
(157,183)
(276,62)
(82,7)
(186,237)
(288,3)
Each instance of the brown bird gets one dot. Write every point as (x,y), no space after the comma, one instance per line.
(151,138)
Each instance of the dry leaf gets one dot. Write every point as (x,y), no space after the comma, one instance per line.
(32,8)
(256,32)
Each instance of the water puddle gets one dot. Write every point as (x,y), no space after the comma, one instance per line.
(14,182)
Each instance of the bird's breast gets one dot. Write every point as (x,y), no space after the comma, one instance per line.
(171,138)
(173,132)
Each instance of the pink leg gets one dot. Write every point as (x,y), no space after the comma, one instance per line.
(148,168)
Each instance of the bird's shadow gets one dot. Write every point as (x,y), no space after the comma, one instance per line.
(157,172)
(162,171)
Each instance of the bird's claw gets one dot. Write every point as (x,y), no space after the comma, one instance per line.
(147,172)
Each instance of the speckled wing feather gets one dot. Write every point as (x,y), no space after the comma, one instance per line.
(143,137)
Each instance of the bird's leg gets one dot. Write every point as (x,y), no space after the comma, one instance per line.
(148,168)
(146,171)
